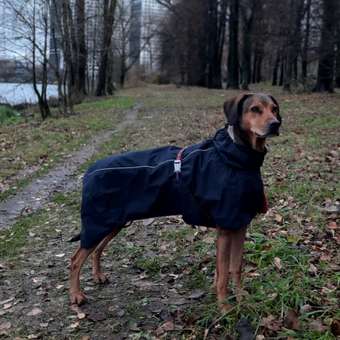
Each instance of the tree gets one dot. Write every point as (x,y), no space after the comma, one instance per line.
(105,82)
(293,41)
(215,40)
(304,54)
(247,15)
(81,51)
(233,58)
(325,78)
(32,36)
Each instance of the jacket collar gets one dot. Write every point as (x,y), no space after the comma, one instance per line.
(237,155)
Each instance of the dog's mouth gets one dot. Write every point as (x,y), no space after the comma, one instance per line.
(270,133)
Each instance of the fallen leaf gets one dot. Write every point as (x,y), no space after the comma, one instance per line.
(305,308)
(332,225)
(335,327)
(196,294)
(278,218)
(97,316)
(271,323)
(78,311)
(6,301)
(148,221)
(5,325)
(291,320)
(277,263)
(165,327)
(312,269)
(60,255)
(209,240)
(74,325)
(317,325)
(35,311)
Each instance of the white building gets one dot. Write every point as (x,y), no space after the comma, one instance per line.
(147,16)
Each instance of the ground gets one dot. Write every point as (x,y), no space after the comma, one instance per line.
(161,270)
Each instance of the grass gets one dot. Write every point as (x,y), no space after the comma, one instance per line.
(8,115)
(34,147)
(291,254)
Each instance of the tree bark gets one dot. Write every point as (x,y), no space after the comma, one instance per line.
(216,33)
(304,54)
(81,64)
(103,86)
(276,69)
(247,11)
(233,58)
(293,41)
(325,79)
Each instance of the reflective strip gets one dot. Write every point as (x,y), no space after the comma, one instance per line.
(148,166)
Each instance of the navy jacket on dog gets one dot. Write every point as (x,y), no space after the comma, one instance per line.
(219,184)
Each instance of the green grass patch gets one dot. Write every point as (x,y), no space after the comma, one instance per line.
(12,240)
(151,266)
(114,103)
(8,115)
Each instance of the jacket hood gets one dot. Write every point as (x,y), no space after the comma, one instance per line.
(237,155)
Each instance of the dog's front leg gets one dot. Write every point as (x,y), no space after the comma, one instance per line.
(223,244)
(236,256)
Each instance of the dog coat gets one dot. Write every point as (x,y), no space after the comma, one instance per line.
(216,183)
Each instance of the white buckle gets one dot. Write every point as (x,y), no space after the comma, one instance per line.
(177,165)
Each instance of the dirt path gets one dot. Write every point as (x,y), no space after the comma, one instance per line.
(61,178)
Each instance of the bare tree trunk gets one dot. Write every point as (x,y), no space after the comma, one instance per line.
(304,55)
(337,57)
(69,71)
(276,69)
(325,80)
(233,59)
(293,40)
(103,88)
(42,97)
(337,60)
(247,11)
(81,63)
(282,71)
(215,41)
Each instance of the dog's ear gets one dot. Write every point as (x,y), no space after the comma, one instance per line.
(278,106)
(233,108)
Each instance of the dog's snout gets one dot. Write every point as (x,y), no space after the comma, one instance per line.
(274,127)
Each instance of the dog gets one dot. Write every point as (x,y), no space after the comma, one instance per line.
(216,183)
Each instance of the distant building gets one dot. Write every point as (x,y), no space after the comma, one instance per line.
(147,15)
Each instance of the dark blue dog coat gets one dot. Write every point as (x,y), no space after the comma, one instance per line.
(219,185)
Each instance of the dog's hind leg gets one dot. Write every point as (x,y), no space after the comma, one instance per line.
(98,275)
(77,261)
(236,256)
(222,267)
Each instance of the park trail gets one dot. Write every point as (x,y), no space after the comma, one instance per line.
(61,178)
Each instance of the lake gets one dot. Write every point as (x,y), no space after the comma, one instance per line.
(14,94)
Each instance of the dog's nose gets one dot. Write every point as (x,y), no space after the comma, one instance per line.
(274,127)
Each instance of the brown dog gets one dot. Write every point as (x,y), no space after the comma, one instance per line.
(238,150)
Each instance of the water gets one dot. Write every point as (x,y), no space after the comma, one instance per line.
(14,93)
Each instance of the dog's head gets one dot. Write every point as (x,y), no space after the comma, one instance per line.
(255,115)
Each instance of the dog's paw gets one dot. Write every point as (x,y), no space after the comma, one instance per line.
(100,278)
(77,298)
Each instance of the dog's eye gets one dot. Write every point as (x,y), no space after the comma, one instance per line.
(275,109)
(256,109)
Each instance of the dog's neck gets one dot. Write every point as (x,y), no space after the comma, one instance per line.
(242,138)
